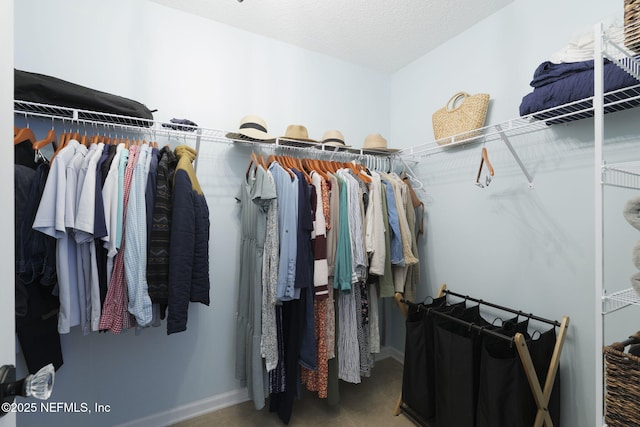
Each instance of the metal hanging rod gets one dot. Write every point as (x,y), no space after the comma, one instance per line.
(500,307)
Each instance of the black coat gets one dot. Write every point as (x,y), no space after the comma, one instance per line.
(189,249)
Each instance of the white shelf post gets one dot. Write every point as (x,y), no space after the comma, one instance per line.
(598,125)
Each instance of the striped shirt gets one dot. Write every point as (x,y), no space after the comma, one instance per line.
(114,311)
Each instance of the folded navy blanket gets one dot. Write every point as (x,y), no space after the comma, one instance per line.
(568,84)
(548,72)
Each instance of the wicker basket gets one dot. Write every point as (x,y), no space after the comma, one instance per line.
(632,25)
(622,399)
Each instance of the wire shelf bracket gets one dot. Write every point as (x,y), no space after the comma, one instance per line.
(506,141)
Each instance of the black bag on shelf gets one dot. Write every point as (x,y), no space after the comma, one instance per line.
(43,89)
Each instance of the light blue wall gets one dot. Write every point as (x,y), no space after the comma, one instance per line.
(529,249)
(186,67)
(532,250)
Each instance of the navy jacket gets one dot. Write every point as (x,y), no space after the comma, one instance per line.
(189,247)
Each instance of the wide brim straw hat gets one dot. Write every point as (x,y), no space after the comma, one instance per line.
(298,133)
(253,128)
(376,142)
(334,138)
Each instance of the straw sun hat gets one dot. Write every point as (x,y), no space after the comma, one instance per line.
(334,138)
(375,142)
(252,127)
(298,133)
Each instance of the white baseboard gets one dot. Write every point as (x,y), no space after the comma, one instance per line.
(220,401)
(391,352)
(191,410)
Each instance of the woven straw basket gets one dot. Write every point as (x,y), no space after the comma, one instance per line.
(462,120)
(622,400)
(632,25)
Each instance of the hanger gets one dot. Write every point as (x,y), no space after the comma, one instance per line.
(253,161)
(332,166)
(84,140)
(50,138)
(287,164)
(270,159)
(362,173)
(299,166)
(312,165)
(281,161)
(24,134)
(61,144)
(484,160)
(355,168)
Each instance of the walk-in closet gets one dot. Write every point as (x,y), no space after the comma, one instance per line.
(266,222)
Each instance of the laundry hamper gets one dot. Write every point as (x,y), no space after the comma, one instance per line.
(622,398)
(632,25)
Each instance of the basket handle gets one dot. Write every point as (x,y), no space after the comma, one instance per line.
(633,339)
(455,98)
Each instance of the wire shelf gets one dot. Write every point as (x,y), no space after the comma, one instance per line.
(616,100)
(625,175)
(75,118)
(620,299)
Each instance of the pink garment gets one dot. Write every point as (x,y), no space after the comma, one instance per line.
(115,316)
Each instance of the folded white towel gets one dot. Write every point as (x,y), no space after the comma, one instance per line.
(580,47)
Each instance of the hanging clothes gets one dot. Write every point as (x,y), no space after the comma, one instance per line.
(53,218)
(158,259)
(86,229)
(254,197)
(319,309)
(36,305)
(135,251)
(305,272)
(317,380)
(189,248)
(99,253)
(385,282)
(287,193)
(270,262)
(115,316)
(375,228)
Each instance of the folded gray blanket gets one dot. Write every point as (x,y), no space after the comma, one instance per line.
(631,212)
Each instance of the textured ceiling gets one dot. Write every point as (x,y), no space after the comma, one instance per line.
(381,34)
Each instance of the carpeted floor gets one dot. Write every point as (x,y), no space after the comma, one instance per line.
(369,404)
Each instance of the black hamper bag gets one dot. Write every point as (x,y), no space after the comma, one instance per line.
(457,369)
(417,378)
(504,395)
(50,90)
